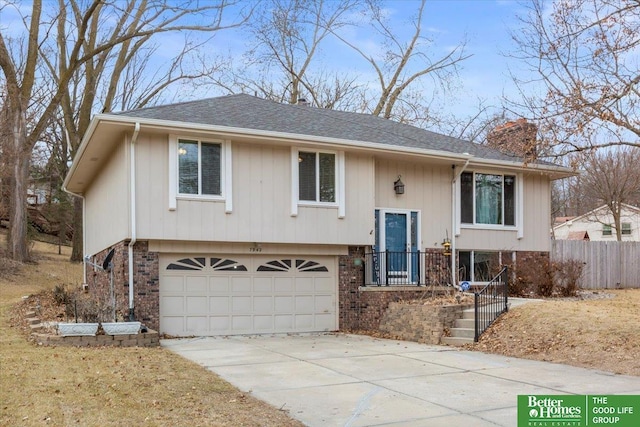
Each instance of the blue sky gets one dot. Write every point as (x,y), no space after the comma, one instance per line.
(485,24)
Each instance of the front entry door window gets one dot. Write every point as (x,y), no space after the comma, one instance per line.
(397,242)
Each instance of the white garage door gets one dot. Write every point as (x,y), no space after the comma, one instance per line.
(232,295)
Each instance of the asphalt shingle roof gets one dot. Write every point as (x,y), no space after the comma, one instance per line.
(250,112)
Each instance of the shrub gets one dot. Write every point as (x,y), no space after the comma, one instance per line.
(568,275)
(87,308)
(533,275)
(60,295)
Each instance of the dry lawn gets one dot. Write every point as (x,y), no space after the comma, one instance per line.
(106,386)
(599,333)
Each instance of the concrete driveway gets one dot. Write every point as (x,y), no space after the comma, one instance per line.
(353,380)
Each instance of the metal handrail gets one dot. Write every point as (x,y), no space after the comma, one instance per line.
(491,301)
(405,268)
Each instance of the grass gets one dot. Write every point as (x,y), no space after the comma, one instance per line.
(106,386)
(598,333)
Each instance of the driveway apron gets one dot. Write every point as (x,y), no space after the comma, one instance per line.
(355,380)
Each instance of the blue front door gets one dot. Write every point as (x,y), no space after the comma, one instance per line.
(395,225)
(397,240)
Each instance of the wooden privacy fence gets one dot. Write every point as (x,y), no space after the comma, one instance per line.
(608,265)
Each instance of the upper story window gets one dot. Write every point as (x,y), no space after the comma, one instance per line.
(487,199)
(317,177)
(626,228)
(606,229)
(317,180)
(199,168)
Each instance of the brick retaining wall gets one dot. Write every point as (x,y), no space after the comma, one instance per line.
(418,322)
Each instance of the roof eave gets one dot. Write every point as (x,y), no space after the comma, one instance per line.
(556,172)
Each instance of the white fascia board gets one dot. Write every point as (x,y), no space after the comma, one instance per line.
(294,138)
(336,142)
(83,145)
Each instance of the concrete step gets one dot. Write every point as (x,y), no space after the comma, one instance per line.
(465,323)
(456,341)
(469,313)
(463,332)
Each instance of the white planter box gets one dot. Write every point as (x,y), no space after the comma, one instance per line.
(77,329)
(121,328)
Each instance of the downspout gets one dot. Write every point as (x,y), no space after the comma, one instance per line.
(454,212)
(132,186)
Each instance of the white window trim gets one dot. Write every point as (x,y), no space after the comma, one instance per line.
(519,201)
(225,174)
(340,195)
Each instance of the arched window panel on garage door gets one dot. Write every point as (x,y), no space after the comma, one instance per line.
(199,263)
(301,265)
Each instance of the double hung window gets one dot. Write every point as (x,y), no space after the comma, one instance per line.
(199,168)
(316,177)
(487,199)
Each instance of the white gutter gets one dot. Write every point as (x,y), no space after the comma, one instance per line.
(132,186)
(454,222)
(230,132)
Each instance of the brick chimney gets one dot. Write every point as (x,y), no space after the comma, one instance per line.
(519,138)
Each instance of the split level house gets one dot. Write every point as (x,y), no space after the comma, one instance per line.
(239,215)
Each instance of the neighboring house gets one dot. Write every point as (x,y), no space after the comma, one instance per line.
(599,225)
(238,215)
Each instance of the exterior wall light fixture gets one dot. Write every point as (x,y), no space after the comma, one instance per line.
(398,186)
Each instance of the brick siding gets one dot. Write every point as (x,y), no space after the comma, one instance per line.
(146,297)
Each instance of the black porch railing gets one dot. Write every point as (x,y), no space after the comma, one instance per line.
(491,302)
(412,268)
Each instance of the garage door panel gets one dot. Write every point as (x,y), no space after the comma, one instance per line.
(303,321)
(172,305)
(271,295)
(323,304)
(304,285)
(325,321)
(263,285)
(241,304)
(197,324)
(197,304)
(219,305)
(172,284)
(283,304)
(283,322)
(283,285)
(197,285)
(324,285)
(219,323)
(240,285)
(304,304)
(241,324)
(219,285)
(263,323)
(262,304)
(173,325)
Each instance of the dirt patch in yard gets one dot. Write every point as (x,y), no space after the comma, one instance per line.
(598,332)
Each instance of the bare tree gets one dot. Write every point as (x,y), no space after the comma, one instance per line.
(612,178)
(86,38)
(281,61)
(584,53)
(405,64)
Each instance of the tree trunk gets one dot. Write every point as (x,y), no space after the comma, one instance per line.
(78,231)
(17,244)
